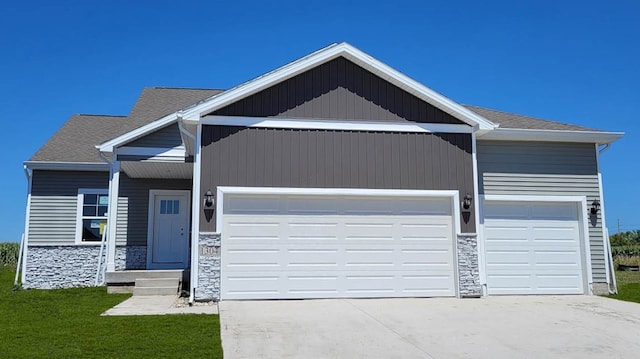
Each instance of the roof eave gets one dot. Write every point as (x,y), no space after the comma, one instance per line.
(512,134)
(108,147)
(67,166)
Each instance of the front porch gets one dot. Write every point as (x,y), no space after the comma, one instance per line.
(149,220)
(148,282)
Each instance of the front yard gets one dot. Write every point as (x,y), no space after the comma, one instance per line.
(66,323)
(628,286)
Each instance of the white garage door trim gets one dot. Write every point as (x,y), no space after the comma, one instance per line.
(451,196)
(583,216)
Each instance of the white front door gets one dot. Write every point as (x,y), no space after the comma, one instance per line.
(169,229)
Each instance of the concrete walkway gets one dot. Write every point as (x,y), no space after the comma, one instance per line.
(160,305)
(494,327)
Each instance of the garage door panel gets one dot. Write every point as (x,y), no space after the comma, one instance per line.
(368,250)
(537,254)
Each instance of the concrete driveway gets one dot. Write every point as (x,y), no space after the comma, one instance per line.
(495,327)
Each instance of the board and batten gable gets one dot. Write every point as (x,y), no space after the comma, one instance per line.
(545,169)
(167,137)
(338,90)
(54,199)
(266,157)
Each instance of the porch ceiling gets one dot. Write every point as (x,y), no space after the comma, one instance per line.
(165,170)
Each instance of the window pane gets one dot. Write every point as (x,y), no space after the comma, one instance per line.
(176,207)
(89,210)
(103,200)
(90,199)
(163,206)
(169,207)
(91,229)
(102,211)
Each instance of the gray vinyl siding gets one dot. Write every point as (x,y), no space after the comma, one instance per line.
(167,137)
(546,169)
(338,89)
(261,157)
(54,200)
(133,206)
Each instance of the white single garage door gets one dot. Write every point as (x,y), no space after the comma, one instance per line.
(292,246)
(533,248)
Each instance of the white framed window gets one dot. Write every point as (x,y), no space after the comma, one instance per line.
(91,220)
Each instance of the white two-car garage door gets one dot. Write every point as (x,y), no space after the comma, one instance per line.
(322,246)
(533,248)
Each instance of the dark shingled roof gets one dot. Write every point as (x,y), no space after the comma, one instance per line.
(76,140)
(157,102)
(512,120)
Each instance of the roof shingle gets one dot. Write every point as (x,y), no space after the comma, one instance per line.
(75,141)
(512,120)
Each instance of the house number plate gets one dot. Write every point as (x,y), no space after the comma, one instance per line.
(209,251)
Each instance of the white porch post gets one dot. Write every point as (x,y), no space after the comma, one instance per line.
(114,189)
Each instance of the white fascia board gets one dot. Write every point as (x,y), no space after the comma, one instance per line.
(67,166)
(152,152)
(527,198)
(327,54)
(508,134)
(335,125)
(137,133)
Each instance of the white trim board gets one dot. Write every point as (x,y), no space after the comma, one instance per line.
(317,124)
(513,134)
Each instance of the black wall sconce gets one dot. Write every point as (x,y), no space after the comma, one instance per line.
(595,207)
(466,202)
(208,199)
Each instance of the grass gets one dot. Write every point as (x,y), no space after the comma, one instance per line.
(66,323)
(628,286)
(9,253)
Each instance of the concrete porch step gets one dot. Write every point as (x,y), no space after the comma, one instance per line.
(130,276)
(146,291)
(157,282)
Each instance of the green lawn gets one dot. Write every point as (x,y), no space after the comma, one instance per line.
(628,286)
(66,323)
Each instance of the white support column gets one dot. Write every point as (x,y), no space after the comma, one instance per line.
(29,173)
(195,212)
(477,209)
(114,189)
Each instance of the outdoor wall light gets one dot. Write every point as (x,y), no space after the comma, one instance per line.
(208,199)
(466,202)
(595,206)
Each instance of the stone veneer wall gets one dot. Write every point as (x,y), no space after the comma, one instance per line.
(468,267)
(208,287)
(51,267)
(131,257)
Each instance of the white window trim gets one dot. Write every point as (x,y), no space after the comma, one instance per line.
(79,216)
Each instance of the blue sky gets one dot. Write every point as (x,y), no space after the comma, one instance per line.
(570,61)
